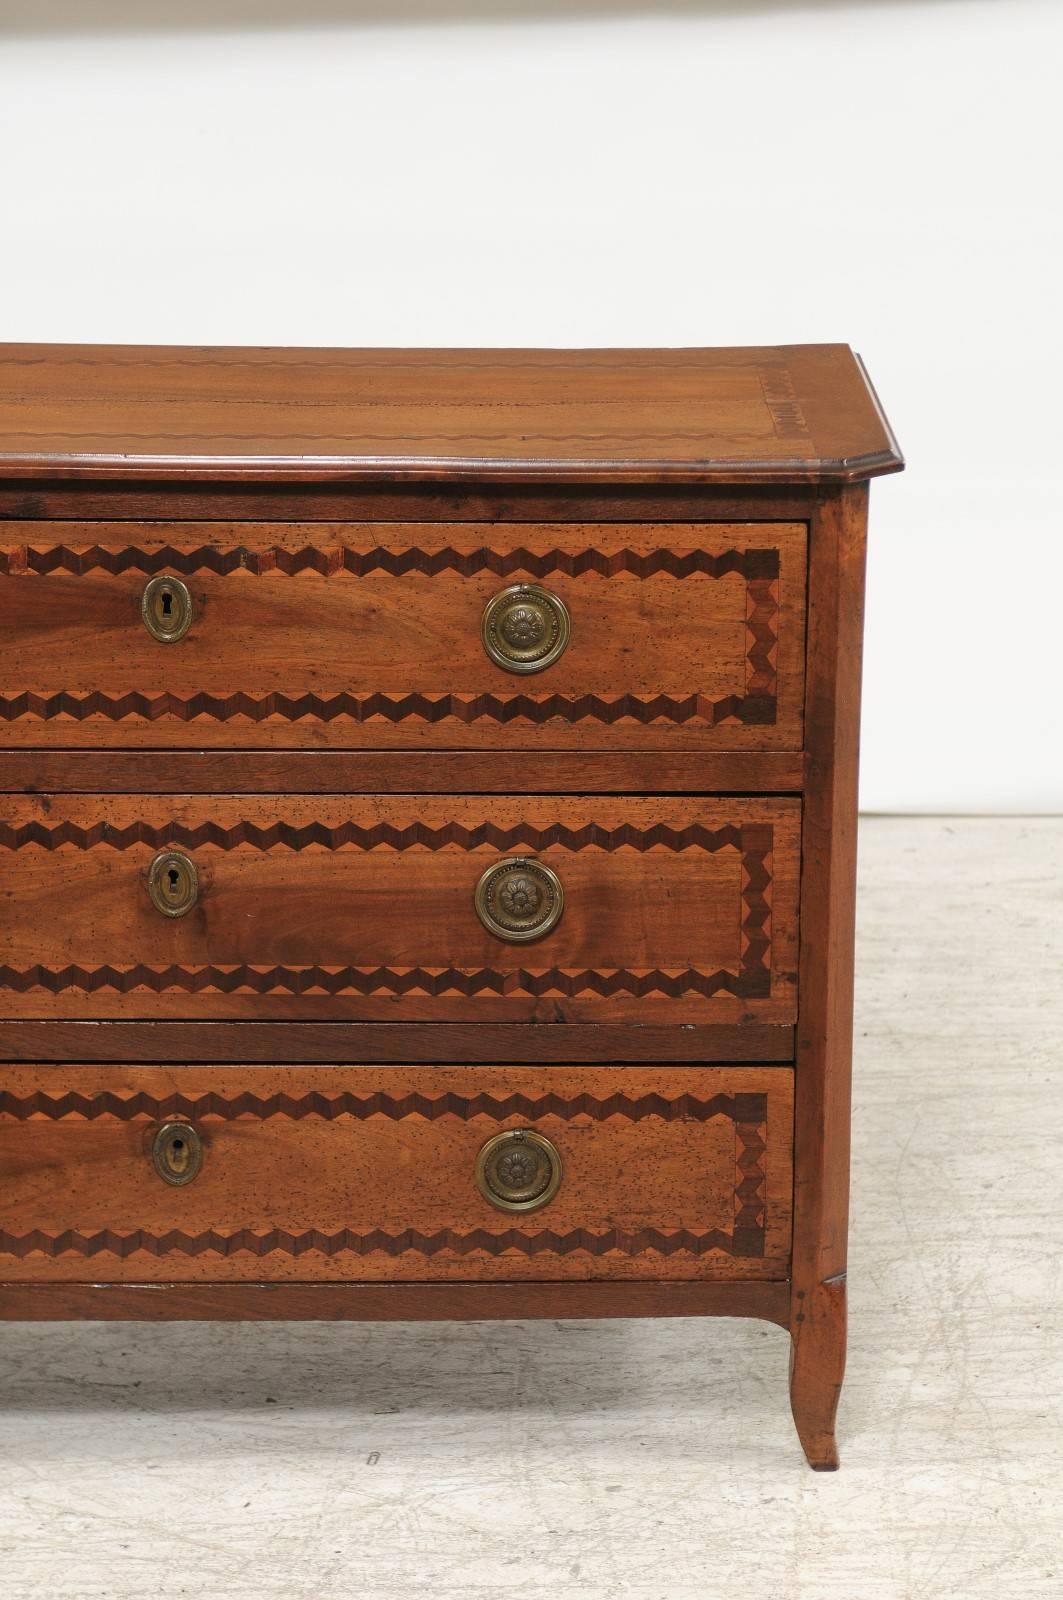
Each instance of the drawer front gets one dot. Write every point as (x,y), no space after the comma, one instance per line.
(365,907)
(358,1173)
(372,635)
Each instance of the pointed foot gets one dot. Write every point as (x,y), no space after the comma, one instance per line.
(817,1367)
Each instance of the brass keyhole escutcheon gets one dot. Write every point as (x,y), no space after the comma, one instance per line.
(519,899)
(177,1153)
(166,607)
(519,1170)
(173,883)
(525,628)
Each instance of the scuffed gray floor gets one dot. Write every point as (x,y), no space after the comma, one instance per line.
(651,1460)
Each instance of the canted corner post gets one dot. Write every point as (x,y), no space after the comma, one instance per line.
(825,991)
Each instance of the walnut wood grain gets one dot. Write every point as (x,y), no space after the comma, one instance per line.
(319,1173)
(297,500)
(825,1024)
(362,907)
(393,1302)
(348,635)
(621,1043)
(664,771)
(342,779)
(801,413)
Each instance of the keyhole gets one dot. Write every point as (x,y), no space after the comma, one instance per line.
(173,883)
(177,1153)
(166,609)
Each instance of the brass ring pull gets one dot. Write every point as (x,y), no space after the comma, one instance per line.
(173,883)
(519,899)
(177,1153)
(525,628)
(519,1170)
(166,608)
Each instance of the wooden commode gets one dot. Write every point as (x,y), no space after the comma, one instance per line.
(427,857)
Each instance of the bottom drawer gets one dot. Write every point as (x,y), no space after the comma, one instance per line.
(224,1174)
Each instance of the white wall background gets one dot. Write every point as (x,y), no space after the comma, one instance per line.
(887,173)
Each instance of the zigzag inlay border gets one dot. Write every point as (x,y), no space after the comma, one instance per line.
(741,1108)
(751,1145)
(52,836)
(762,605)
(755,959)
(344,1240)
(750,709)
(334,981)
(329,561)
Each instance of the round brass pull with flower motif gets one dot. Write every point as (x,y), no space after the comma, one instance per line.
(519,899)
(519,1170)
(525,628)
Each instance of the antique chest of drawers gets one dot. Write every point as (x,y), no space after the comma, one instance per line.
(429,834)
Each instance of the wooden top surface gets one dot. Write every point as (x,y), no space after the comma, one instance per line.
(783,414)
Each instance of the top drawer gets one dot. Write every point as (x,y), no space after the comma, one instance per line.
(359,636)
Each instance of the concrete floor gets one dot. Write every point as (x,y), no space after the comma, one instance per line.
(650,1460)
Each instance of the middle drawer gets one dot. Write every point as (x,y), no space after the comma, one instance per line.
(400,907)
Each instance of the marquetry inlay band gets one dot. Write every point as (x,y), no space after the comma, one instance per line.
(377,836)
(751,709)
(328,561)
(751,982)
(681,1241)
(137,1104)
